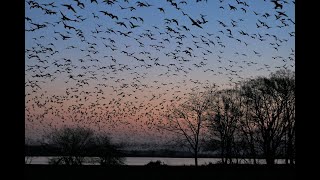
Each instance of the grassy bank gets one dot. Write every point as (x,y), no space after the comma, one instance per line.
(236,172)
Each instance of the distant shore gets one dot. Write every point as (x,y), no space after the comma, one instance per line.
(39,151)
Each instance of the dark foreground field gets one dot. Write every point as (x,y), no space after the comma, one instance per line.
(247,172)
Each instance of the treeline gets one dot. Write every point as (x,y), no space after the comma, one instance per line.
(258,116)
(253,119)
(38,150)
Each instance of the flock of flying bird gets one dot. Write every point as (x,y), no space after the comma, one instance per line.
(101,64)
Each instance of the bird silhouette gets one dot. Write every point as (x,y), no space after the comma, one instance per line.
(277,4)
(232,7)
(69,7)
(194,23)
(161,10)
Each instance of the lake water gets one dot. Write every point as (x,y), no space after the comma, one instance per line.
(146,160)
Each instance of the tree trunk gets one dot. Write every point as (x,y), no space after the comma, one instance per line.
(270,160)
(290,149)
(269,155)
(222,153)
(253,154)
(196,158)
(252,150)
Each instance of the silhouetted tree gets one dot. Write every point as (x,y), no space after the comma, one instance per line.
(187,121)
(225,116)
(285,80)
(248,134)
(248,130)
(108,154)
(74,144)
(71,143)
(267,101)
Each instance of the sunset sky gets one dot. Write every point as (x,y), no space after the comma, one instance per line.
(118,79)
